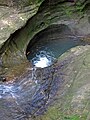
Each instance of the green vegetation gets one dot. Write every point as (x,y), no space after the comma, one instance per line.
(73,117)
(74,9)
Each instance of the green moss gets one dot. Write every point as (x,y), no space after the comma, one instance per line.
(73,117)
(77,9)
(54,113)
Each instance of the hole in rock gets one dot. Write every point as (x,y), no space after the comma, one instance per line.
(49,44)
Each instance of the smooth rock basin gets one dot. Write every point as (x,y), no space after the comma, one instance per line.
(49,44)
(32,93)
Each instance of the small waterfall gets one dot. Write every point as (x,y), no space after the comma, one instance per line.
(31,94)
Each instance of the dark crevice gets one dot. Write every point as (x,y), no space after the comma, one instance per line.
(86,7)
(2,79)
(51,3)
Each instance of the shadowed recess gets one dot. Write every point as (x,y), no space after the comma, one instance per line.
(49,44)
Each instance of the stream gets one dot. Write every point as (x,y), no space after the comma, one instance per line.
(32,93)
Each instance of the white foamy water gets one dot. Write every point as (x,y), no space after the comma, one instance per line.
(43,59)
(42,62)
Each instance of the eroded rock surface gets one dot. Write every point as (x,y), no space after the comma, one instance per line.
(62,89)
(72,100)
(58,92)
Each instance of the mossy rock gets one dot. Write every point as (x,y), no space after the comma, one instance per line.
(71,100)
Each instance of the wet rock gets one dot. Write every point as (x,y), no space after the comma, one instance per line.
(61,91)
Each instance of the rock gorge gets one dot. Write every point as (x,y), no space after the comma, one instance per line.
(60,91)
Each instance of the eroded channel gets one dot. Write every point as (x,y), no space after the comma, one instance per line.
(33,92)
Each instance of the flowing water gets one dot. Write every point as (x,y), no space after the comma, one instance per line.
(31,94)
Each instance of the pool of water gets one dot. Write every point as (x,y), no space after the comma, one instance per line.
(50,44)
(30,95)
